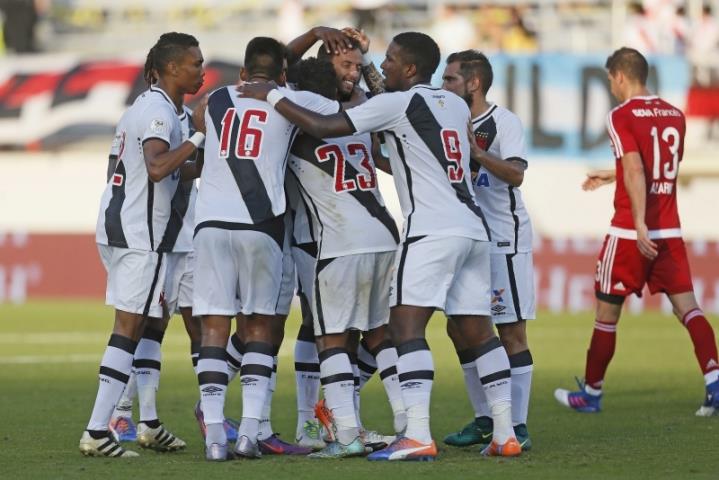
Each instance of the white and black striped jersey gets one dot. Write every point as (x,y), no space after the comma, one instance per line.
(181,227)
(302,231)
(134,211)
(425,130)
(337,179)
(246,150)
(500,132)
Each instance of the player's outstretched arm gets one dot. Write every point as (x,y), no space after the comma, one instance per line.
(635,183)
(371,75)
(598,178)
(319,126)
(510,171)
(334,40)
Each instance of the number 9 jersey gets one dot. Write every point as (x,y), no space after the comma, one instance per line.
(655,130)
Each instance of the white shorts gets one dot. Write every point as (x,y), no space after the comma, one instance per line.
(289,282)
(352,292)
(236,271)
(179,281)
(448,273)
(135,279)
(305,259)
(513,297)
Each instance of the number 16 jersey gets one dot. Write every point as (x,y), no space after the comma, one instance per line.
(655,130)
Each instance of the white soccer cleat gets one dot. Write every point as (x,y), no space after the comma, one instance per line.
(374,441)
(159,439)
(705,411)
(103,447)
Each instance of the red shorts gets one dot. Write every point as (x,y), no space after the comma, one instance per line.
(623,270)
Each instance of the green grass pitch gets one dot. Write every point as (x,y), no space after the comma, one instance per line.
(49,355)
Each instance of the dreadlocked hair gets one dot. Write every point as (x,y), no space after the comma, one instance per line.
(169,47)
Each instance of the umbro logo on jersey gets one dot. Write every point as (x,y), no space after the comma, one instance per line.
(210,389)
(117,180)
(619,286)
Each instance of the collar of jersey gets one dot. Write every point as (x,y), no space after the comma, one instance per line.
(486,113)
(155,89)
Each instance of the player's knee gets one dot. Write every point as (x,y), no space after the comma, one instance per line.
(514,338)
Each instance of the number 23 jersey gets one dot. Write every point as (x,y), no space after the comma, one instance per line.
(655,130)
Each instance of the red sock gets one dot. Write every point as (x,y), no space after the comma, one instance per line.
(601,350)
(702,336)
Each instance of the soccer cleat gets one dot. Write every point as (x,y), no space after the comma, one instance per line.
(231,426)
(476,432)
(217,452)
(326,419)
(310,436)
(356,448)
(274,445)
(374,441)
(522,435)
(159,439)
(406,449)
(103,447)
(246,448)
(711,401)
(511,448)
(580,401)
(123,428)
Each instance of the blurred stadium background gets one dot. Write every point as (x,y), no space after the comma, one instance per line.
(68,69)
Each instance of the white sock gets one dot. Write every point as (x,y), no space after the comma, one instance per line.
(415,370)
(307,377)
(386,356)
(356,380)
(235,350)
(212,378)
(366,363)
(494,373)
(266,420)
(114,373)
(255,374)
(339,387)
(475,390)
(521,365)
(124,406)
(147,366)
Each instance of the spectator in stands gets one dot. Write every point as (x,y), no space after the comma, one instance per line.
(703,43)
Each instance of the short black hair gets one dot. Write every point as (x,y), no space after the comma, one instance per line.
(474,63)
(322,51)
(169,47)
(318,76)
(265,56)
(419,50)
(630,62)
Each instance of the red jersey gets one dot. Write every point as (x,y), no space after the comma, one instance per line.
(654,129)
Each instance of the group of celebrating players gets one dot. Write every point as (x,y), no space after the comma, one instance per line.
(288,201)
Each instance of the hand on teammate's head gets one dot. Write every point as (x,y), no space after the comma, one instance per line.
(360,36)
(335,41)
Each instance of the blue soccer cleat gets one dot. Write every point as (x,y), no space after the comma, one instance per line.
(123,429)
(711,401)
(579,401)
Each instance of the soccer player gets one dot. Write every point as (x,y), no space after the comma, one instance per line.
(134,213)
(499,161)
(357,238)
(644,244)
(238,242)
(443,259)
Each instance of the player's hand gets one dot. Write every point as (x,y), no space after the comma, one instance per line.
(256,90)
(475,150)
(644,243)
(598,178)
(359,36)
(334,40)
(198,115)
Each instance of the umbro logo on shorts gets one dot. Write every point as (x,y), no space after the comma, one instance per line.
(210,389)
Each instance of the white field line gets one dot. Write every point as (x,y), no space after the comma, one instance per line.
(30,340)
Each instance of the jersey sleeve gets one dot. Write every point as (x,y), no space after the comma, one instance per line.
(511,139)
(312,101)
(620,134)
(381,112)
(157,123)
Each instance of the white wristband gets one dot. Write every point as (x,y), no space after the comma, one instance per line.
(366,60)
(197,139)
(274,96)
